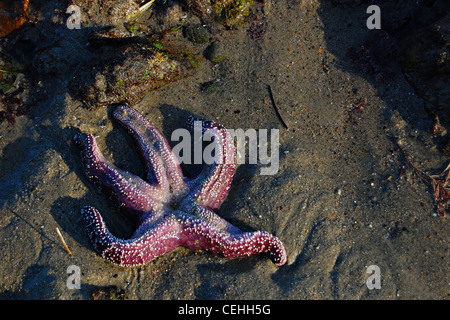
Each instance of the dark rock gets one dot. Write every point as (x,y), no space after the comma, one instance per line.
(213,53)
(196,33)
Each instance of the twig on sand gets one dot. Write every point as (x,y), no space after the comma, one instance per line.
(441,186)
(440,183)
(63,242)
(275,107)
(146,5)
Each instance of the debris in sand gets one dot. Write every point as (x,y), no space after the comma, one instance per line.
(257,30)
(440,183)
(441,187)
(359,106)
(275,107)
(63,242)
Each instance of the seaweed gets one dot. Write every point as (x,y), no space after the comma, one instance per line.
(232,13)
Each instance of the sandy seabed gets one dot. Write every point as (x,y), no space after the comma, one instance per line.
(344,197)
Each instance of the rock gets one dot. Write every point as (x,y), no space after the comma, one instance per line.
(111,11)
(230,13)
(168,16)
(202,8)
(213,53)
(126,75)
(196,33)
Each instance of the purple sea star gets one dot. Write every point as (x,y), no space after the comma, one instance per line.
(172,210)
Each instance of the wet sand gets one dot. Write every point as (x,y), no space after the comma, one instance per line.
(340,201)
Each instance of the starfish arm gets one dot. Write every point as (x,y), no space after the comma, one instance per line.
(210,217)
(214,181)
(198,234)
(126,189)
(161,163)
(164,237)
